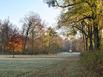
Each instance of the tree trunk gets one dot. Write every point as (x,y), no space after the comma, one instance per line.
(95,27)
(86,43)
(96,38)
(32,42)
(23,46)
(13,53)
(90,38)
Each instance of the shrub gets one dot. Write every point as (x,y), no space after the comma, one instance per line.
(93,61)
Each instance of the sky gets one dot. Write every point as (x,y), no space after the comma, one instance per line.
(16,10)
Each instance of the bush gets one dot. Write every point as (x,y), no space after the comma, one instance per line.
(93,61)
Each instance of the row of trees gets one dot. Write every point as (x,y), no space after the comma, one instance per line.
(38,38)
(83,15)
(34,37)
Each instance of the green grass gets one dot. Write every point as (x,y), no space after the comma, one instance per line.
(13,68)
(40,67)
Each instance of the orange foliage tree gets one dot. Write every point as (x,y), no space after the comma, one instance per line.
(15,43)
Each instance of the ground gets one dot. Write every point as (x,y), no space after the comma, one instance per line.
(58,65)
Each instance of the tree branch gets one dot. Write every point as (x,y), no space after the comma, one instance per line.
(81,30)
(66,5)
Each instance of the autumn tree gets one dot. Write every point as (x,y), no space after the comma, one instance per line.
(83,15)
(15,43)
(51,33)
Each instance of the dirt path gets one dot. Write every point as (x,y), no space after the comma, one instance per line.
(68,67)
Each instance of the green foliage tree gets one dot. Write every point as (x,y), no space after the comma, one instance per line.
(83,15)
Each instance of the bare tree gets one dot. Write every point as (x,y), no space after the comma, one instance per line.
(29,28)
(6,32)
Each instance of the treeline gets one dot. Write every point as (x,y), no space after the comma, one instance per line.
(33,38)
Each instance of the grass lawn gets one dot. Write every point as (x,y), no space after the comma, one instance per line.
(40,67)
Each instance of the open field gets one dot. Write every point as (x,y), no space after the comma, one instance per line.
(59,65)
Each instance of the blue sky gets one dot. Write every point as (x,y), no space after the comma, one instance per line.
(17,9)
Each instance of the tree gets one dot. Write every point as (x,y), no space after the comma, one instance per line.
(6,33)
(30,29)
(89,14)
(51,33)
(14,44)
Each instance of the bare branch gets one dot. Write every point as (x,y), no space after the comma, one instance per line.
(66,5)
